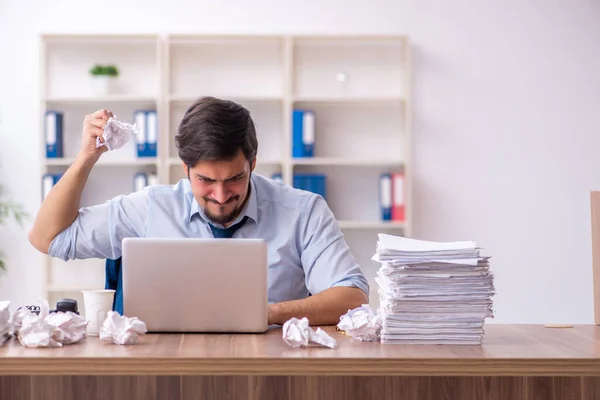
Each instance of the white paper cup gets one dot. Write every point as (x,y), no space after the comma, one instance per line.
(97,304)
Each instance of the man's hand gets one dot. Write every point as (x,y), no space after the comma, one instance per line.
(93,127)
(323,308)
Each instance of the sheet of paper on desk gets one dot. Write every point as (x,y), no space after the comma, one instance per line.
(433,292)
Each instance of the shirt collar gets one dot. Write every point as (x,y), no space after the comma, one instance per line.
(250,208)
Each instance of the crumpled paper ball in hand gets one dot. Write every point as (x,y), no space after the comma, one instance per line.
(116,134)
(5,325)
(361,323)
(119,329)
(297,332)
(48,330)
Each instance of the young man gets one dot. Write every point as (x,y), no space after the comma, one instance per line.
(311,270)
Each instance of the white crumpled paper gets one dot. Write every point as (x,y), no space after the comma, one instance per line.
(5,325)
(116,134)
(48,330)
(297,332)
(361,323)
(119,329)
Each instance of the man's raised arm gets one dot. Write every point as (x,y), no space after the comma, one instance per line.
(61,206)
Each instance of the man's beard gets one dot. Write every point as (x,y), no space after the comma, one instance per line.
(223,218)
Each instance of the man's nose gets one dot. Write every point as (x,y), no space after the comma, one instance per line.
(220,193)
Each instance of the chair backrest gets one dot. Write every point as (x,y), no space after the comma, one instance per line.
(114,281)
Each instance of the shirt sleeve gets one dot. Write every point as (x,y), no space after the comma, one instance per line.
(326,257)
(98,230)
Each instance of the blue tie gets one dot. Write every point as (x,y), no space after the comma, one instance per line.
(227,232)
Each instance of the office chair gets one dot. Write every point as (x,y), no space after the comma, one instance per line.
(114,279)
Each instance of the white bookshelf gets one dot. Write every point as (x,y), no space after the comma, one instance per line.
(358,86)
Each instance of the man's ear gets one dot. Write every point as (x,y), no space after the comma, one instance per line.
(253,165)
(186,170)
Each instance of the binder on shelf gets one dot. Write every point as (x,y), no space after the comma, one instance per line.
(303,133)
(151,133)
(142,179)
(385,196)
(315,183)
(48,182)
(277,177)
(139,118)
(398,200)
(54,134)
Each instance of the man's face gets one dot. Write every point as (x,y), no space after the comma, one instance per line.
(221,187)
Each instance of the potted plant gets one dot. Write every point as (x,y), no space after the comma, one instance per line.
(102,78)
(8,210)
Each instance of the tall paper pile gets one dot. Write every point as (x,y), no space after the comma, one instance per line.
(432,292)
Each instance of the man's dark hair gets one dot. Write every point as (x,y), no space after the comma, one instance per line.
(215,130)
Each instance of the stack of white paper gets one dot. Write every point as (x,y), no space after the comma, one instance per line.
(432,292)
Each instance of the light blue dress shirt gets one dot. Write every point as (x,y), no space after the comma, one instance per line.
(307,251)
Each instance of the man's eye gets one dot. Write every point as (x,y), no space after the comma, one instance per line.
(204,180)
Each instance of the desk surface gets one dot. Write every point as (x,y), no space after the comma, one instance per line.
(506,350)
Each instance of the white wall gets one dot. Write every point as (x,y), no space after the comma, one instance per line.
(506,116)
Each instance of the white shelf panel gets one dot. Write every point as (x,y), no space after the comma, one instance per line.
(65,162)
(317,161)
(346,224)
(188,100)
(102,99)
(220,39)
(394,100)
(176,161)
(105,38)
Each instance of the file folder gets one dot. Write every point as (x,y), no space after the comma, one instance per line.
(303,133)
(48,182)
(151,134)
(385,196)
(398,200)
(54,134)
(315,183)
(140,181)
(152,180)
(139,118)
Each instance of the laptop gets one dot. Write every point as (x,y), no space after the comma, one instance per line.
(195,284)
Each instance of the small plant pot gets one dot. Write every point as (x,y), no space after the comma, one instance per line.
(102,85)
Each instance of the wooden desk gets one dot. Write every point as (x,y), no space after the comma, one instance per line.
(514,362)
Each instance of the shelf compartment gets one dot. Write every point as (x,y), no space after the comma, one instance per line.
(69,59)
(74,115)
(117,162)
(346,161)
(358,183)
(371,225)
(348,67)
(267,118)
(106,183)
(225,66)
(356,131)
